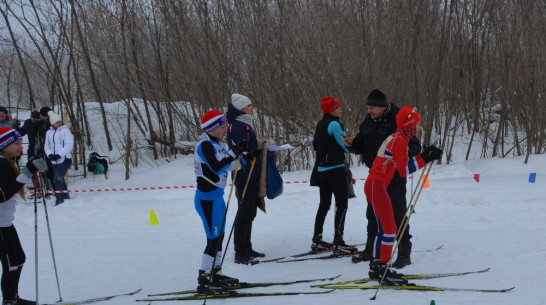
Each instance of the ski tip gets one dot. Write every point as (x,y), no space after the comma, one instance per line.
(334,277)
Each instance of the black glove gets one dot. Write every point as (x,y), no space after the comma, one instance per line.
(253,154)
(54,157)
(240,147)
(431,153)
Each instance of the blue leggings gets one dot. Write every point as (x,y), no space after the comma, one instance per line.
(212,210)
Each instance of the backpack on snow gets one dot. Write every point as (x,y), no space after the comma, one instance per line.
(97,164)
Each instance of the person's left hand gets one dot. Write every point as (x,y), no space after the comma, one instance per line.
(253,154)
(240,148)
(431,153)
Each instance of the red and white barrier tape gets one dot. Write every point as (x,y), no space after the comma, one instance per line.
(151,188)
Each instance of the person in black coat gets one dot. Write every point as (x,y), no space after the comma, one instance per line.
(332,176)
(43,127)
(241,128)
(30,129)
(380,122)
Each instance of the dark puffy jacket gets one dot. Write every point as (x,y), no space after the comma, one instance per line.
(329,153)
(238,131)
(372,133)
(30,128)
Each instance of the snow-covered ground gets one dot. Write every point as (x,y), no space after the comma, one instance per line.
(104,244)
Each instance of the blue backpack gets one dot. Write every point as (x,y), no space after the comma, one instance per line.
(97,165)
(274,179)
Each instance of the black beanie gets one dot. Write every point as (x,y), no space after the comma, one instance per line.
(44,111)
(377,99)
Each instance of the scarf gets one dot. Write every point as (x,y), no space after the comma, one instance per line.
(409,132)
(247,119)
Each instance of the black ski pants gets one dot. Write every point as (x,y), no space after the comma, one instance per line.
(12,257)
(334,182)
(245,216)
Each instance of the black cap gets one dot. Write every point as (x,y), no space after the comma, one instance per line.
(44,111)
(377,99)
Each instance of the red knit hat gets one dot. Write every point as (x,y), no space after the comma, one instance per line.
(212,120)
(407,117)
(8,136)
(329,104)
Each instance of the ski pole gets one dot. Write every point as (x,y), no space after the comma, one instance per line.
(35,182)
(50,239)
(399,236)
(409,209)
(237,215)
(418,186)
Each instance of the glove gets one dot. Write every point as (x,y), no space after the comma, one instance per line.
(431,153)
(34,165)
(253,154)
(240,147)
(54,157)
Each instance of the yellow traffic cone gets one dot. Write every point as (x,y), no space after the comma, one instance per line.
(153,218)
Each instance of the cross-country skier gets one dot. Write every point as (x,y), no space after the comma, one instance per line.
(392,157)
(212,163)
(11,183)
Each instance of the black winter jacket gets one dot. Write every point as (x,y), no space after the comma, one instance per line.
(329,153)
(372,133)
(238,131)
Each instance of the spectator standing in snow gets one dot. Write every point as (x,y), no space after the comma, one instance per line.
(42,130)
(380,122)
(212,162)
(30,129)
(4,118)
(332,175)
(392,157)
(241,128)
(58,145)
(11,183)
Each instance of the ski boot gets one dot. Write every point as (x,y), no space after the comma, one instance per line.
(17,301)
(392,278)
(340,247)
(253,253)
(207,286)
(245,259)
(404,252)
(319,244)
(362,257)
(219,278)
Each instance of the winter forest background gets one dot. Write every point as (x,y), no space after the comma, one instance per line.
(474,69)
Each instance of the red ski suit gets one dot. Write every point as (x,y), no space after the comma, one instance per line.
(392,156)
